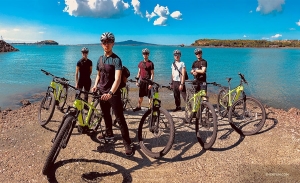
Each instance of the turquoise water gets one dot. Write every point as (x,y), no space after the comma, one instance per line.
(273,74)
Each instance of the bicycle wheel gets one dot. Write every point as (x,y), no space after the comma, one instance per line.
(157,141)
(189,106)
(46,109)
(247,116)
(222,103)
(62,99)
(59,142)
(206,125)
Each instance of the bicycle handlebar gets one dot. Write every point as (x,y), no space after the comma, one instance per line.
(94,94)
(60,80)
(195,81)
(158,85)
(243,78)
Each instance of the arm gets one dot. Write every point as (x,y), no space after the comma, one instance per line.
(76,76)
(152,78)
(138,76)
(115,85)
(91,69)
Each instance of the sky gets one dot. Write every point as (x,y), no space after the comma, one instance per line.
(168,22)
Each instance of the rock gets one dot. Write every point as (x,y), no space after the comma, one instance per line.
(5,47)
(25,102)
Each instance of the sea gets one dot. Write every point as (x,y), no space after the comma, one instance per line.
(273,74)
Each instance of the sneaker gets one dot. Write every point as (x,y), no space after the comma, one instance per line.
(106,137)
(177,109)
(137,109)
(128,151)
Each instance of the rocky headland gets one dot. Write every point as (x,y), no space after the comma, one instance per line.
(5,47)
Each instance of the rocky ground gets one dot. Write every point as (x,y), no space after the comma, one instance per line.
(272,155)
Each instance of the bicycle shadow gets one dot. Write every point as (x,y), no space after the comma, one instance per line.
(91,176)
(269,124)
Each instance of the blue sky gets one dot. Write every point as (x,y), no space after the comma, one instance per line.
(153,21)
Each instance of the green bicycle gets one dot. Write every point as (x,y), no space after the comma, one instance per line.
(156,130)
(88,123)
(198,107)
(246,115)
(56,94)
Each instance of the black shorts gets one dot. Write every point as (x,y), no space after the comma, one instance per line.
(144,91)
(200,85)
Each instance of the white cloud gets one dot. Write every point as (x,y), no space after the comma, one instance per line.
(163,13)
(298,23)
(149,16)
(276,36)
(16,30)
(265,38)
(41,32)
(96,8)
(162,21)
(136,6)
(176,15)
(250,11)
(292,29)
(245,36)
(268,6)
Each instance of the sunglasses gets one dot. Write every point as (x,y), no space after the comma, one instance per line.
(145,53)
(176,54)
(198,53)
(107,42)
(84,52)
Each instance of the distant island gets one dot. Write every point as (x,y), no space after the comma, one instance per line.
(246,43)
(5,47)
(45,42)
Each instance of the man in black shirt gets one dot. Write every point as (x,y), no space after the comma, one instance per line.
(83,72)
(199,70)
(108,79)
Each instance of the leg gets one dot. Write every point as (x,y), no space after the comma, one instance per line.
(176,93)
(118,109)
(105,107)
(87,87)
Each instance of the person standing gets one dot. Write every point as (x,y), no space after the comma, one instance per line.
(108,79)
(145,71)
(178,79)
(83,72)
(199,70)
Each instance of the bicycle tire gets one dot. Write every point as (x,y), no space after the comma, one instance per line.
(63,133)
(163,139)
(247,116)
(62,99)
(46,109)
(188,112)
(95,120)
(222,104)
(206,125)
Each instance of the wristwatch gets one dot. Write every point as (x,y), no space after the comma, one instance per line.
(110,92)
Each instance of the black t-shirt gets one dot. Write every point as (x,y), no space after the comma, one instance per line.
(84,69)
(199,65)
(107,77)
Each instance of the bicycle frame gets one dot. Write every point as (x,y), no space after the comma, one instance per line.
(197,98)
(57,89)
(236,94)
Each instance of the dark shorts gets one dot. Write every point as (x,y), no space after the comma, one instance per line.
(143,91)
(200,86)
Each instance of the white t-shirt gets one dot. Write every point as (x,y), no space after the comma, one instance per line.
(175,73)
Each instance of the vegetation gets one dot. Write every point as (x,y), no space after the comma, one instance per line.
(246,43)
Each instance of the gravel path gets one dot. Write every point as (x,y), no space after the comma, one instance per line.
(270,156)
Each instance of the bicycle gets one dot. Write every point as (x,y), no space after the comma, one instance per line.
(56,94)
(246,114)
(156,129)
(197,106)
(88,123)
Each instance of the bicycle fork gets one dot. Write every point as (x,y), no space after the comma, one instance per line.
(154,120)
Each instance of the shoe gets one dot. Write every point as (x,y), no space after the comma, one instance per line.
(137,109)
(128,151)
(106,137)
(177,109)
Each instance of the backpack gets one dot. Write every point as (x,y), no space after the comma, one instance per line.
(124,76)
